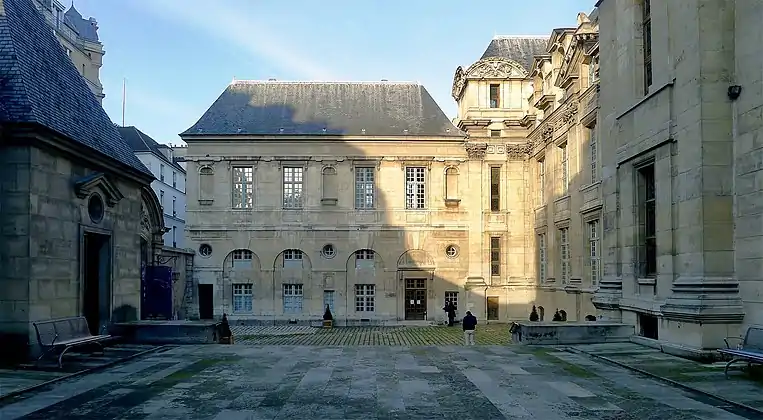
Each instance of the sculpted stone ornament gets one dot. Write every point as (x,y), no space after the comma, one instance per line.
(518,151)
(459,82)
(495,68)
(570,112)
(548,133)
(476,150)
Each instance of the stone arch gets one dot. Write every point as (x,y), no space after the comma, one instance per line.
(287,259)
(206,183)
(329,185)
(416,259)
(451,175)
(541,313)
(359,260)
(242,264)
(151,216)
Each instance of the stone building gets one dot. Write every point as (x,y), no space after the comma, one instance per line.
(169,184)
(680,122)
(76,204)
(79,38)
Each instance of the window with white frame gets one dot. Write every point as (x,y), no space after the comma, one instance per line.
(542,181)
(365,296)
(292,258)
(174,179)
(564,168)
(243,187)
(242,258)
(593,250)
(243,297)
(292,187)
(328,300)
(542,257)
(174,209)
(161,199)
(452,297)
(564,254)
(292,298)
(593,157)
(161,172)
(364,188)
(364,259)
(415,188)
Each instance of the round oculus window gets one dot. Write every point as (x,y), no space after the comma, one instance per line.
(328,251)
(451,251)
(205,250)
(95,208)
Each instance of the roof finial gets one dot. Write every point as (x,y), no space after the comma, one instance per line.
(234,80)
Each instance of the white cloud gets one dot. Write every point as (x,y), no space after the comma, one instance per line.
(232,25)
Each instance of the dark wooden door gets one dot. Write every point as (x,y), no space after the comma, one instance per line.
(206,301)
(415,299)
(492,308)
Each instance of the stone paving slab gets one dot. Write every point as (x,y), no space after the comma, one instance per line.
(492,334)
(741,387)
(363,382)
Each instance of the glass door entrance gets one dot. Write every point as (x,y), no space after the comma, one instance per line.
(415,299)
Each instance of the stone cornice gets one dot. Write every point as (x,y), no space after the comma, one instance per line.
(564,114)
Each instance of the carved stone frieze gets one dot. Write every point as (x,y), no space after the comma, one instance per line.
(548,133)
(495,68)
(518,151)
(476,150)
(570,112)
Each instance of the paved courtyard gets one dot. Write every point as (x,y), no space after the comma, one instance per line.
(363,382)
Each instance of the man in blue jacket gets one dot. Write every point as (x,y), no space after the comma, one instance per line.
(469,323)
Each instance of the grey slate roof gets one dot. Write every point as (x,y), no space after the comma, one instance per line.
(39,84)
(142,142)
(339,108)
(521,49)
(85,28)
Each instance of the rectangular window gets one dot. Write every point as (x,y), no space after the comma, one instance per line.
(648,222)
(174,179)
(328,300)
(564,169)
(174,236)
(495,188)
(564,254)
(292,298)
(415,188)
(495,256)
(593,250)
(242,258)
(161,198)
(243,187)
(292,187)
(364,259)
(365,297)
(242,298)
(161,171)
(495,96)
(495,133)
(593,158)
(646,26)
(542,181)
(542,258)
(364,188)
(452,297)
(292,258)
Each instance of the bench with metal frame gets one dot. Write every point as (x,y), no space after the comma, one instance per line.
(63,334)
(749,350)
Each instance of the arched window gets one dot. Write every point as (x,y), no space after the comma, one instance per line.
(330,190)
(451,186)
(206,184)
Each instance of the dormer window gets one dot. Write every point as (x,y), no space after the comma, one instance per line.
(495,96)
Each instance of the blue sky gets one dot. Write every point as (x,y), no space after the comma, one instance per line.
(179,55)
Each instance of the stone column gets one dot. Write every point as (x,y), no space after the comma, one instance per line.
(475,281)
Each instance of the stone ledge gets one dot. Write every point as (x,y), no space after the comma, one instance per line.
(557,333)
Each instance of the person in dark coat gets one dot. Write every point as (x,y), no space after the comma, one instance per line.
(450,309)
(469,324)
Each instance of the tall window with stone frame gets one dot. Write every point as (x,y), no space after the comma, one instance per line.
(564,254)
(292,298)
(541,181)
(495,96)
(542,262)
(243,187)
(161,172)
(415,188)
(647,221)
(364,188)
(495,188)
(564,168)
(365,297)
(593,157)
(593,251)
(242,298)
(495,256)
(646,27)
(293,184)
(452,297)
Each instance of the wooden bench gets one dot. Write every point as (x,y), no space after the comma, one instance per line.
(750,349)
(63,334)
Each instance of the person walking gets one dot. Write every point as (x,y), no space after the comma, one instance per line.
(450,309)
(469,323)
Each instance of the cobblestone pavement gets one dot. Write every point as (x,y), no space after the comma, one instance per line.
(363,382)
(495,334)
